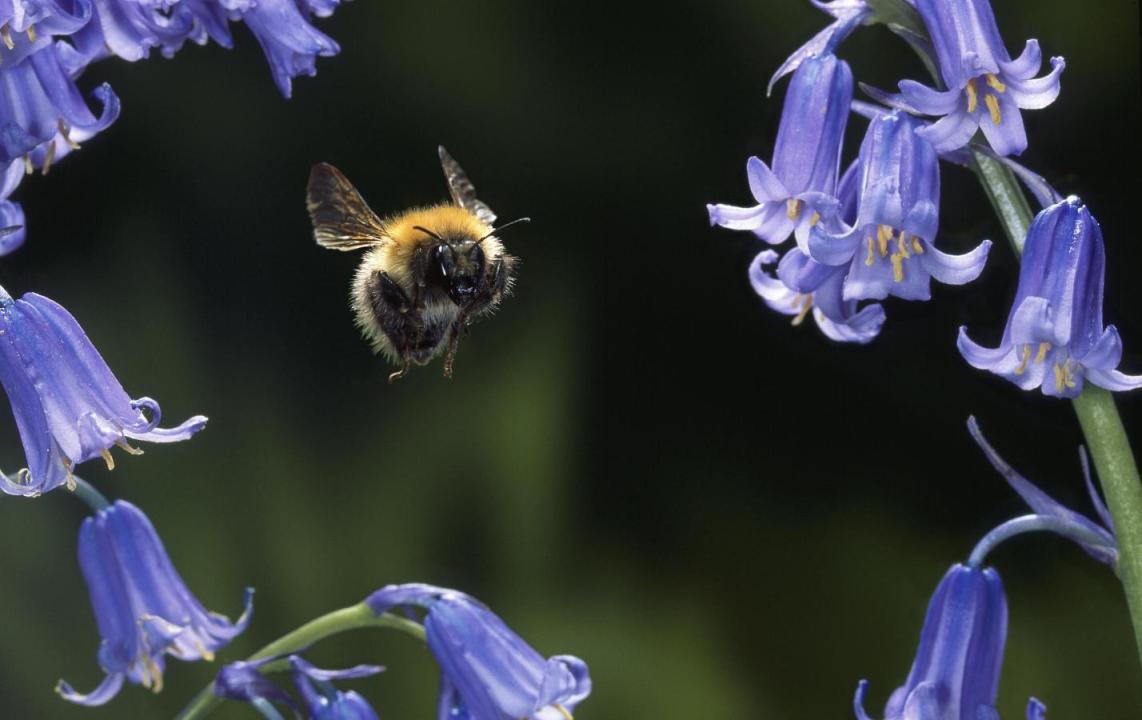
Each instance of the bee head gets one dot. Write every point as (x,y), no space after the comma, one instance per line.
(461,266)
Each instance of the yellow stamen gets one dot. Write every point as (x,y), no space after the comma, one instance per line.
(1042,354)
(993,108)
(916,246)
(65,131)
(202,651)
(1026,359)
(32,33)
(902,245)
(108,459)
(70,480)
(1060,378)
(792,208)
(563,711)
(871,252)
(1068,374)
(973,97)
(994,83)
(6,36)
(156,675)
(128,448)
(806,306)
(49,156)
(897,267)
(814,218)
(883,235)
(28,167)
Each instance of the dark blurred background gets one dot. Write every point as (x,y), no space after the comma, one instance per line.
(636,461)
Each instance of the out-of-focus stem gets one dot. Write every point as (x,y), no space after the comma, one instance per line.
(338,621)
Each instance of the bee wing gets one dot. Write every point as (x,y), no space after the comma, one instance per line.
(462,190)
(342,220)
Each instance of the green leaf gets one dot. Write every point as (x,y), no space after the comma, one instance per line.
(899,13)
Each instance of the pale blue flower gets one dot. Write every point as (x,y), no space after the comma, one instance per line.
(487,671)
(69,407)
(143,608)
(1055,337)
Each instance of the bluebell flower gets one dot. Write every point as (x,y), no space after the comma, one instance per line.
(1055,337)
(1105,550)
(39,20)
(325,702)
(955,675)
(142,607)
(244,681)
(11,214)
(889,249)
(800,190)
(130,29)
(290,43)
(68,405)
(487,671)
(802,286)
(985,87)
(43,116)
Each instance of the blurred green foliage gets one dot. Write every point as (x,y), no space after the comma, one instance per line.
(636,463)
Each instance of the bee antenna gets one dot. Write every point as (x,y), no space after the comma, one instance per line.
(428,232)
(505,225)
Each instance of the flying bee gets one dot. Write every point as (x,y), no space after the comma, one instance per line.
(427,272)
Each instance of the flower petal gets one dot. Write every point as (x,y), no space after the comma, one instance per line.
(858,701)
(1026,65)
(929,101)
(763,184)
(1114,380)
(954,269)
(1042,503)
(834,250)
(566,681)
(1008,136)
(1038,93)
(951,131)
(102,694)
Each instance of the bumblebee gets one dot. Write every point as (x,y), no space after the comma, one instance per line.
(427,272)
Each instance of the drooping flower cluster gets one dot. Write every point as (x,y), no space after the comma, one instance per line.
(868,236)
(487,671)
(45,45)
(801,192)
(143,608)
(873,234)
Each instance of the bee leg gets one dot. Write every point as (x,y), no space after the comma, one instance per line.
(459,325)
(393,377)
(395,313)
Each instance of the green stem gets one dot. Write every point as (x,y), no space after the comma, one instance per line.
(1006,198)
(86,492)
(1098,416)
(338,621)
(1118,474)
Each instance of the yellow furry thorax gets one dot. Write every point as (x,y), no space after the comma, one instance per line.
(446,220)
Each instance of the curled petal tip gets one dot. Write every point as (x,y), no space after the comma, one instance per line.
(858,700)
